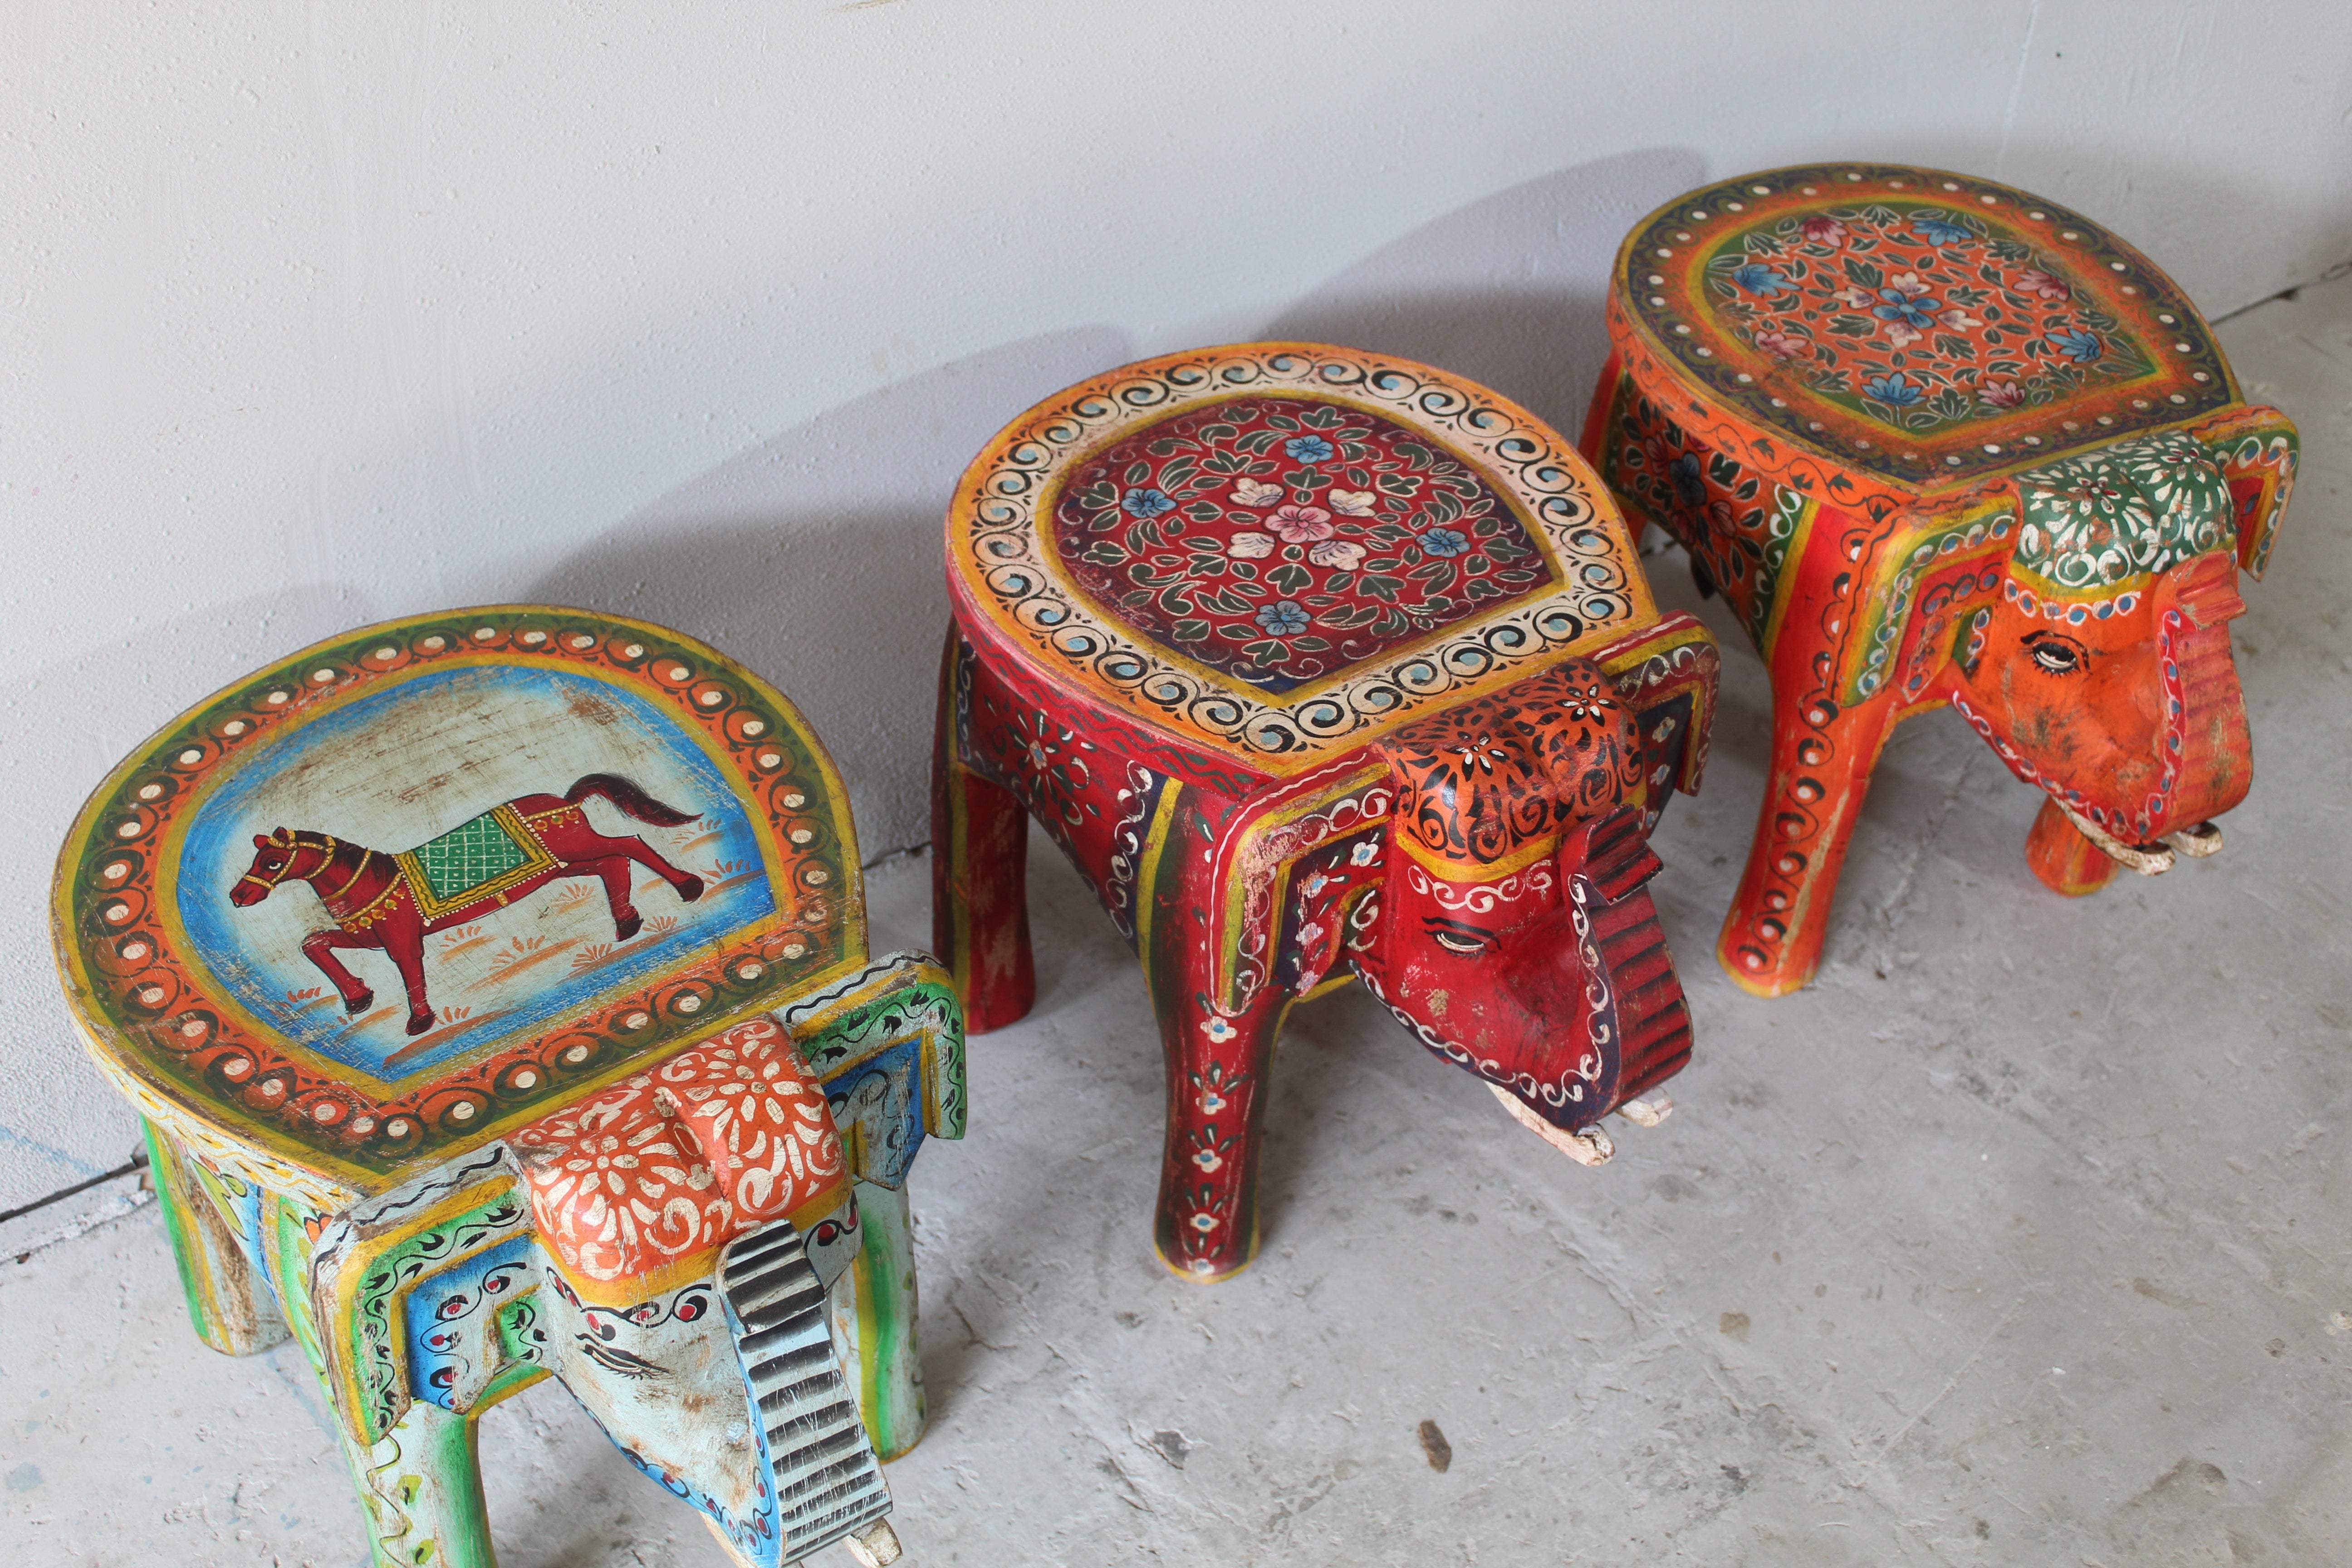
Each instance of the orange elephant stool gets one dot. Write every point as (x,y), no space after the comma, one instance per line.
(1938,441)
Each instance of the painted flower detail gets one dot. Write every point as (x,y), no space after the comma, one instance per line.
(1363,854)
(1444,542)
(1897,391)
(1218,1029)
(1960,320)
(1853,299)
(1302,524)
(1938,231)
(2001,394)
(1283,618)
(1336,552)
(2040,284)
(1255,492)
(1147,503)
(1823,230)
(1689,489)
(1308,449)
(1910,308)
(1782,345)
(1761,281)
(1209,1160)
(1351,503)
(2080,347)
(1249,545)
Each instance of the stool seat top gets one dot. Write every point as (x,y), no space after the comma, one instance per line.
(1924,328)
(479,786)
(1274,551)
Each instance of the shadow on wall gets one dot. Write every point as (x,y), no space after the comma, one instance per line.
(1507,291)
(815,560)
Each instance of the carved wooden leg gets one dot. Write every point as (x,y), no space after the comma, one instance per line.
(228,1298)
(874,1319)
(980,869)
(1207,1223)
(420,1485)
(1821,758)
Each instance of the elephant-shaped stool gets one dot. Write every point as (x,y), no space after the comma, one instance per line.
(666,1169)
(1939,442)
(1318,665)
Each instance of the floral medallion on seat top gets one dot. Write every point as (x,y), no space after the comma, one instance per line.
(1922,326)
(1279,539)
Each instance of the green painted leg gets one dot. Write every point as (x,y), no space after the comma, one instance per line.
(422,1488)
(421,1484)
(874,1319)
(228,1300)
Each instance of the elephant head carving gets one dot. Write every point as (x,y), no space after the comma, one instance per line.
(2103,672)
(1514,934)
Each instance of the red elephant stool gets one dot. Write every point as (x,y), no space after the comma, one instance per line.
(1937,441)
(1317,664)
(638,1115)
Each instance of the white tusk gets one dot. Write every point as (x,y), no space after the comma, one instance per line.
(2147,859)
(1647,1113)
(1590,1147)
(2197,842)
(875,1546)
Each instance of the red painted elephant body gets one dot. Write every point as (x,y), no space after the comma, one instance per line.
(1473,849)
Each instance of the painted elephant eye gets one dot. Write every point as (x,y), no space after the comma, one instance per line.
(2054,654)
(1458,936)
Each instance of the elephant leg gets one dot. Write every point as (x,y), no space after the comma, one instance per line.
(228,1297)
(873,1316)
(1206,1228)
(421,1487)
(1821,759)
(420,1484)
(980,868)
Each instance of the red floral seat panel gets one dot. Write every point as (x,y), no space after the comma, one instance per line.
(1280,550)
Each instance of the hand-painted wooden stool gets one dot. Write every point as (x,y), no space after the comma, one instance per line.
(1938,441)
(642,1114)
(1317,664)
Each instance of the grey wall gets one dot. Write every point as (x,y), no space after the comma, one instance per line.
(694,314)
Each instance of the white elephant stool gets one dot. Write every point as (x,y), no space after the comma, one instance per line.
(658,1151)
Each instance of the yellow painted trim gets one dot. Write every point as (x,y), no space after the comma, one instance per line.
(1785,588)
(342,1292)
(1147,876)
(1469,872)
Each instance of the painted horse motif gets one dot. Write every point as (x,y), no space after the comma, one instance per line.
(394,901)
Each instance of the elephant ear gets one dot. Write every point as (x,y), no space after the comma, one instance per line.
(1943,556)
(2256,448)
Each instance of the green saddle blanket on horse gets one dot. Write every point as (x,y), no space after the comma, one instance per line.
(474,860)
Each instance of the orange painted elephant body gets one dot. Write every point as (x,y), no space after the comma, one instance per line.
(1937,442)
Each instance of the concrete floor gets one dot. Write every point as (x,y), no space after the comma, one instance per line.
(2016,1239)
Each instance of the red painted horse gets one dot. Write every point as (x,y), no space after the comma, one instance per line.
(391,902)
